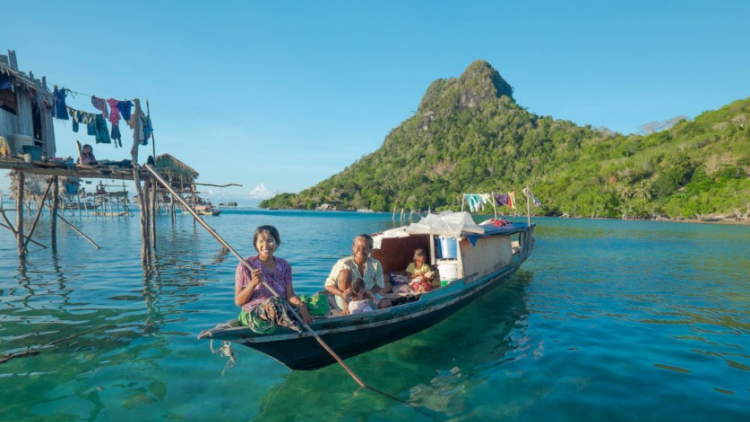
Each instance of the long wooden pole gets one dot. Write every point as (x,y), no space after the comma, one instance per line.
(146,210)
(78,231)
(494,203)
(19,212)
(216,236)
(528,206)
(53,223)
(36,219)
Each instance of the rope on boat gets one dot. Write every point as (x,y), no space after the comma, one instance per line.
(225,351)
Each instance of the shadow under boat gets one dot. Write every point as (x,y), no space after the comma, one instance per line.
(483,265)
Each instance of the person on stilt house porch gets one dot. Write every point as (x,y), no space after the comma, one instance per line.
(262,311)
(87,155)
(358,265)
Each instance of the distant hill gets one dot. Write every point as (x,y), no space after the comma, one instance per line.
(470,135)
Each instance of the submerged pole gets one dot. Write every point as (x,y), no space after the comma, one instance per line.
(153,211)
(53,223)
(78,231)
(19,212)
(142,216)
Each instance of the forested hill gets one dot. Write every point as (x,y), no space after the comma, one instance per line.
(469,135)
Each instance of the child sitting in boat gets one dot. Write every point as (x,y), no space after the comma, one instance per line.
(359,297)
(419,273)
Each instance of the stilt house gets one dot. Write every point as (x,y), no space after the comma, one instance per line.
(25,111)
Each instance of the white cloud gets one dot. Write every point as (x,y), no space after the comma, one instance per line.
(261,192)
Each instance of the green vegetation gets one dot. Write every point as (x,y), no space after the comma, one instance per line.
(469,135)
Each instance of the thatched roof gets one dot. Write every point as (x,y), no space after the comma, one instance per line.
(166,163)
(27,82)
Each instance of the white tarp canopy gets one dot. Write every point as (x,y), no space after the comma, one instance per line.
(446,223)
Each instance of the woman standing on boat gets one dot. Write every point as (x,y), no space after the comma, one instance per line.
(261,310)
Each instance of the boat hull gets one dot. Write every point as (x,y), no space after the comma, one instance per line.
(305,353)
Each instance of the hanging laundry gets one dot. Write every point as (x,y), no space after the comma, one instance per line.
(486,200)
(512,199)
(59,109)
(124,107)
(136,123)
(114,114)
(471,201)
(502,199)
(91,129)
(116,136)
(527,193)
(100,104)
(102,133)
(147,128)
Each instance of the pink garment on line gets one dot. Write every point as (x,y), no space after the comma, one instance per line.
(114,114)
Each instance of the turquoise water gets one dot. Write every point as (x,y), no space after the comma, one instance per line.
(609,320)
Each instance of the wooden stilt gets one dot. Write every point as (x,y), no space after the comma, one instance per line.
(19,212)
(145,249)
(171,209)
(152,213)
(36,219)
(53,213)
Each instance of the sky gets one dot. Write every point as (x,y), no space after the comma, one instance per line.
(279,95)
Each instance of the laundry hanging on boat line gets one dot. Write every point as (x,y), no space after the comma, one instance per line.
(534,200)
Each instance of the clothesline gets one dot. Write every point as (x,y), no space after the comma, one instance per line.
(82,93)
(111,110)
(478,201)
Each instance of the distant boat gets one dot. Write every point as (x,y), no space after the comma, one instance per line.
(364,210)
(207,210)
(480,265)
(325,207)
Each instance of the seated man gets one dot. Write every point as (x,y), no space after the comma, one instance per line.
(358,265)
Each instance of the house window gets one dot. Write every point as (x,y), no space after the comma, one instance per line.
(37,121)
(8,101)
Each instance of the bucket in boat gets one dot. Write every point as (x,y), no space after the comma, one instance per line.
(448,247)
(448,269)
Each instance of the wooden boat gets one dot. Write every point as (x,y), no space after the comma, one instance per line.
(207,210)
(483,262)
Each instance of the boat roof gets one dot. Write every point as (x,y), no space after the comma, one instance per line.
(449,224)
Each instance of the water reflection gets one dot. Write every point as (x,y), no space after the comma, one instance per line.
(431,369)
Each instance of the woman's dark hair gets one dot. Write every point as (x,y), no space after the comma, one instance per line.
(419,252)
(89,147)
(271,230)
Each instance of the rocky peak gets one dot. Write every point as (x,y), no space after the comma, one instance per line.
(480,82)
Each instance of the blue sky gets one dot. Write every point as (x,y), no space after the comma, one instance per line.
(288,93)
